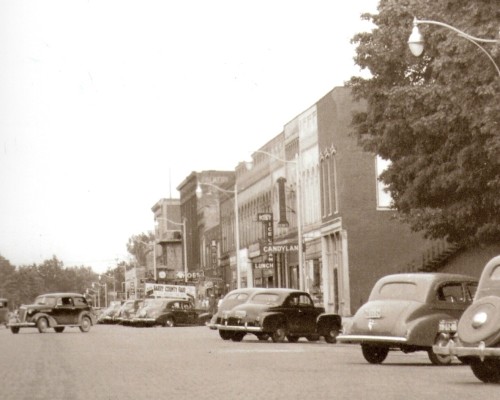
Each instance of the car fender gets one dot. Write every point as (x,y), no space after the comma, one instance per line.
(87,314)
(324,322)
(204,318)
(271,320)
(422,331)
(163,317)
(52,322)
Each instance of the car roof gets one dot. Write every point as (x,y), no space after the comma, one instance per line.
(429,277)
(61,294)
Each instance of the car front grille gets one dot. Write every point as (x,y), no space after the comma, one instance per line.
(238,322)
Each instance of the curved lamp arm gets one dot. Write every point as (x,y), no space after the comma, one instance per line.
(416,40)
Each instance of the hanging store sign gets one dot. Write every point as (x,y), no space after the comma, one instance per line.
(280,248)
(263,265)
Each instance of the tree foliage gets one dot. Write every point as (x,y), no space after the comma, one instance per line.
(22,284)
(139,246)
(436,117)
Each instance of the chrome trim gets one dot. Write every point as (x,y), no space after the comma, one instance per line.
(453,349)
(244,328)
(370,338)
(21,324)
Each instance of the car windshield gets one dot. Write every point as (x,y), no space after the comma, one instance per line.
(265,298)
(45,301)
(397,291)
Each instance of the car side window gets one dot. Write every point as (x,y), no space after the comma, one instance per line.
(67,301)
(305,301)
(451,293)
(470,291)
(80,301)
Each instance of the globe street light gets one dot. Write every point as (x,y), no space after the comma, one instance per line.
(416,40)
(236,224)
(299,212)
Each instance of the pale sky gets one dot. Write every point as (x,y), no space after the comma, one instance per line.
(106,106)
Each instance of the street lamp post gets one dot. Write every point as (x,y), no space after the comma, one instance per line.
(416,40)
(298,211)
(236,224)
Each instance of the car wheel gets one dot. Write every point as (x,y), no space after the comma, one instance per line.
(262,337)
(42,324)
(14,329)
(374,354)
(238,336)
(279,334)
(59,329)
(487,371)
(169,322)
(292,339)
(331,337)
(439,359)
(225,335)
(86,324)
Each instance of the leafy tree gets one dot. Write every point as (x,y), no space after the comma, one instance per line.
(436,117)
(140,245)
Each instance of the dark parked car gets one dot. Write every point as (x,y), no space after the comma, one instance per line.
(169,313)
(475,337)
(230,300)
(55,310)
(403,313)
(280,314)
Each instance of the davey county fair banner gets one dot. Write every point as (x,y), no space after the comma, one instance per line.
(171,291)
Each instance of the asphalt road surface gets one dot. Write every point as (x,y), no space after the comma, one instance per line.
(116,362)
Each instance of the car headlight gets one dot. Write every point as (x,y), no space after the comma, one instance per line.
(240,314)
(479,319)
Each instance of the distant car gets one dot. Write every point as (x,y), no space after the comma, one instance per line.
(107,315)
(230,300)
(169,313)
(4,311)
(55,310)
(475,337)
(127,311)
(280,314)
(403,313)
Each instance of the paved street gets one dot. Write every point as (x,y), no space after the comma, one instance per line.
(115,362)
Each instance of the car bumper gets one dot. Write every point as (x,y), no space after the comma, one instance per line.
(21,324)
(456,349)
(144,321)
(239,328)
(371,339)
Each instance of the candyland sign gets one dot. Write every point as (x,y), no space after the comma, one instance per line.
(171,291)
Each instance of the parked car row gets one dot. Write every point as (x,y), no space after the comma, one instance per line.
(165,312)
(446,315)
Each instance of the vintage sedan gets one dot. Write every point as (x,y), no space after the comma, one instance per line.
(107,316)
(127,311)
(403,313)
(231,300)
(169,313)
(280,314)
(475,337)
(55,310)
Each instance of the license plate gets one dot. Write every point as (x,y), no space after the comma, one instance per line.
(448,325)
(373,313)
